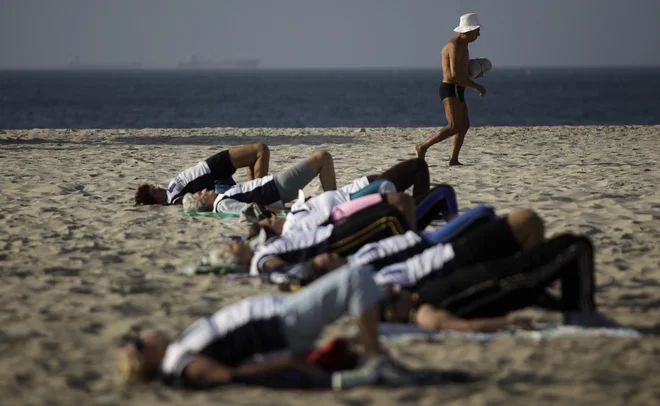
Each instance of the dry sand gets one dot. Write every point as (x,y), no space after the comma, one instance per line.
(80,267)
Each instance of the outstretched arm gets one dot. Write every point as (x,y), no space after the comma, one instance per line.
(205,369)
(438,319)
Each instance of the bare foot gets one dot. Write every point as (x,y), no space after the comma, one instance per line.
(455,163)
(420,151)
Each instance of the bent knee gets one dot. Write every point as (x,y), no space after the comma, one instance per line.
(263,149)
(421,164)
(323,156)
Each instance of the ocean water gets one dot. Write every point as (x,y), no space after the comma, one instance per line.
(321,98)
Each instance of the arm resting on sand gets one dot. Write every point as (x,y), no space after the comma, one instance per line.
(203,368)
(430,317)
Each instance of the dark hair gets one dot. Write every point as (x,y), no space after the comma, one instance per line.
(143,195)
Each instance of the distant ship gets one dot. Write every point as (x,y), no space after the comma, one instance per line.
(193,62)
(76,64)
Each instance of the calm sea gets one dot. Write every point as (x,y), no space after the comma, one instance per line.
(321,98)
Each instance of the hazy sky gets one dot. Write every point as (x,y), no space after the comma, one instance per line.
(327,33)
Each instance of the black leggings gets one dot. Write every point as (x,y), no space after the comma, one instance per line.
(495,288)
(435,204)
(413,172)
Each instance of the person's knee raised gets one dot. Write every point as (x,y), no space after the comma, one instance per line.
(322,157)
(584,243)
(263,150)
(422,165)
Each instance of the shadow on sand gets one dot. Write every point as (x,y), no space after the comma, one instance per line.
(240,140)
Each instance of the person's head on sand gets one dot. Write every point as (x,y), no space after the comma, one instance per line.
(234,257)
(469,27)
(139,359)
(150,194)
(239,253)
(200,201)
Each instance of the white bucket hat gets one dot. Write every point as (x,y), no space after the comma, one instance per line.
(468,23)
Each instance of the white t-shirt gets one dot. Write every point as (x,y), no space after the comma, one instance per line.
(260,190)
(293,248)
(404,259)
(413,270)
(331,197)
(392,249)
(231,336)
(191,180)
(307,215)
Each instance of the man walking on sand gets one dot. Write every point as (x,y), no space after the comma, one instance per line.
(455,78)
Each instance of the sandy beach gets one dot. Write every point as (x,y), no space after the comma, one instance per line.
(81,267)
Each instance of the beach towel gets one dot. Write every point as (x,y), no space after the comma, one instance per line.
(225,218)
(412,333)
(220,215)
(210,214)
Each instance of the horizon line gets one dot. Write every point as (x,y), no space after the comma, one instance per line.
(267,68)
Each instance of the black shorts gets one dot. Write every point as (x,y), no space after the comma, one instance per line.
(452,90)
(221,166)
(488,242)
(371,224)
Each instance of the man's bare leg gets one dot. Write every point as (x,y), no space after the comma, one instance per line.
(458,138)
(412,172)
(453,111)
(323,165)
(254,157)
(457,142)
